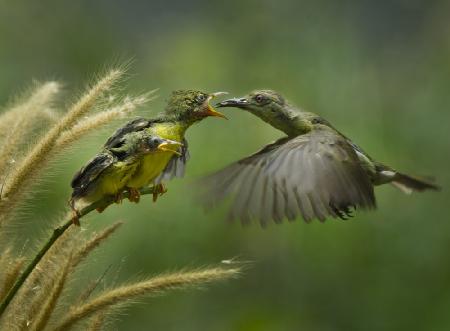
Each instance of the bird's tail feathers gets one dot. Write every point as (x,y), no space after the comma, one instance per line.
(409,184)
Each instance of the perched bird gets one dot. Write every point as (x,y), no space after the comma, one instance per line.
(184,108)
(314,171)
(109,172)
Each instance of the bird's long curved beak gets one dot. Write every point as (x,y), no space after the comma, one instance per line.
(234,102)
(210,111)
(170,146)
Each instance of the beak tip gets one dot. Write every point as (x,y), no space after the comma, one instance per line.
(216,94)
(235,102)
(162,147)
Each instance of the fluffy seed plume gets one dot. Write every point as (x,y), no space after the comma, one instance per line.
(31,165)
(97,322)
(10,271)
(93,243)
(34,292)
(153,286)
(41,319)
(16,123)
(36,99)
(93,122)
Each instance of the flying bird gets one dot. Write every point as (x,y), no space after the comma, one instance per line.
(314,171)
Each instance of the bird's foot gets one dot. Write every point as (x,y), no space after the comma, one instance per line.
(158,190)
(100,209)
(76,214)
(76,218)
(344,212)
(133,194)
(118,197)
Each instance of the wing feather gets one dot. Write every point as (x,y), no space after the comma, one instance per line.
(90,172)
(315,176)
(136,124)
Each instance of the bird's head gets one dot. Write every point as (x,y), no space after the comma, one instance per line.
(192,106)
(268,105)
(156,143)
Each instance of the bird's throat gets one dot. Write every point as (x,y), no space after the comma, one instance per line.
(291,126)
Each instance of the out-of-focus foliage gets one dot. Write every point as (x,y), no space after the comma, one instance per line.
(378,70)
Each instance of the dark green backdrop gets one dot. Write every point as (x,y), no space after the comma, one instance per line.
(378,70)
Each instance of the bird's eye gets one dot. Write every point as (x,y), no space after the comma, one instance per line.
(200,98)
(259,98)
(153,141)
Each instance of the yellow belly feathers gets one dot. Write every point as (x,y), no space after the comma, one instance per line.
(111,181)
(153,164)
(133,173)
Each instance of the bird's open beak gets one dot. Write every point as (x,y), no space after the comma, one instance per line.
(234,102)
(170,146)
(210,111)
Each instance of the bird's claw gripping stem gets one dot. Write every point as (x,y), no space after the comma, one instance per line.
(133,194)
(100,209)
(158,190)
(118,198)
(76,214)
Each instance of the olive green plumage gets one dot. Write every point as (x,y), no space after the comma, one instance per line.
(124,163)
(184,108)
(109,172)
(313,172)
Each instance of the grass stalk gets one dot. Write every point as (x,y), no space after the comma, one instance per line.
(58,232)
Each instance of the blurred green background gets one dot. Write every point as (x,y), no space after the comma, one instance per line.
(378,70)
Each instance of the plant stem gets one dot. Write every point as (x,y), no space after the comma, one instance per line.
(58,232)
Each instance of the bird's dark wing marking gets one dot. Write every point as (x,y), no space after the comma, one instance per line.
(90,172)
(314,175)
(137,124)
(176,166)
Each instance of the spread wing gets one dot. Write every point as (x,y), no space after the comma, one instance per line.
(314,175)
(137,124)
(176,166)
(90,173)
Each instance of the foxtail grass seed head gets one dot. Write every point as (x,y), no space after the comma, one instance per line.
(91,123)
(153,286)
(93,243)
(17,123)
(10,272)
(40,320)
(31,292)
(26,173)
